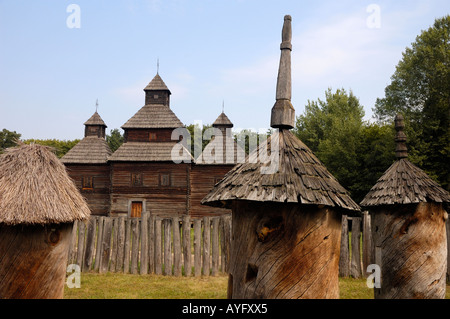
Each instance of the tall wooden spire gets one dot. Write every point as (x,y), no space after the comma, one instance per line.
(283,113)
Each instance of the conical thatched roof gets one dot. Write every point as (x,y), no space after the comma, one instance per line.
(90,150)
(300,178)
(36,189)
(404,182)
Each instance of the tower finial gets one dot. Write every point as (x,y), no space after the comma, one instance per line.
(401,151)
(157,66)
(223,105)
(96,105)
(283,113)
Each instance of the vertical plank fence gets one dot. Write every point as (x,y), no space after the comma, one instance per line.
(152,245)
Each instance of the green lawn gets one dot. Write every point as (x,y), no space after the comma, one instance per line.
(127,286)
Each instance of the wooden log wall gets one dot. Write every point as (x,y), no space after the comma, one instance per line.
(152,245)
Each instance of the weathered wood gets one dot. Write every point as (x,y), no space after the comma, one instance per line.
(167,248)
(98,251)
(158,247)
(127,246)
(367,251)
(115,239)
(151,244)
(447,226)
(226,252)
(120,244)
(197,247)
(355,265)
(81,239)
(90,243)
(33,261)
(215,247)
(187,245)
(176,247)
(134,245)
(206,245)
(143,267)
(344,259)
(284,251)
(413,246)
(106,245)
(73,244)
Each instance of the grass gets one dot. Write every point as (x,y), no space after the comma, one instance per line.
(127,286)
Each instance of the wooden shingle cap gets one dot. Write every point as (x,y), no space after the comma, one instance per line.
(301,178)
(403,182)
(157,84)
(153,116)
(36,189)
(95,119)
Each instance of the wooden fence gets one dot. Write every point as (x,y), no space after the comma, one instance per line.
(152,245)
(133,245)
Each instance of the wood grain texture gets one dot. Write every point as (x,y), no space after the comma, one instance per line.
(279,252)
(412,245)
(33,261)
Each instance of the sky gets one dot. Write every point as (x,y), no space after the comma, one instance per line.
(58,57)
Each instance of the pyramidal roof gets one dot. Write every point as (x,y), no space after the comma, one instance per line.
(282,169)
(95,119)
(222,120)
(403,182)
(90,150)
(157,83)
(153,116)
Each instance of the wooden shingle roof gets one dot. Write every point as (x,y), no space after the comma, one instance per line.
(157,84)
(153,116)
(151,152)
(90,150)
(404,182)
(222,120)
(300,178)
(95,119)
(221,150)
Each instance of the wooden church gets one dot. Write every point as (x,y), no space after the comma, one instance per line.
(141,174)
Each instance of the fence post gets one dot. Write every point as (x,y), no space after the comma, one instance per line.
(197,247)
(126,250)
(344,259)
(106,245)
(98,252)
(206,245)
(176,246)
(368,250)
(355,270)
(73,244)
(144,241)
(158,247)
(151,244)
(187,245)
(80,250)
(90,243)
(215,246)
(134,245)
(115,238)
(167,248)
(120,243)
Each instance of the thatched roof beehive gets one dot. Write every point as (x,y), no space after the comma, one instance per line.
(403,182)
(36,189)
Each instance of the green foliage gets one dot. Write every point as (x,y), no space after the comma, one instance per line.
(114,139)
(420,90)
(8,139)
(355,152)
(60,147)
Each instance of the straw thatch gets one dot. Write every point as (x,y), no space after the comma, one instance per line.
(151,152)
(300,178)
(35,188)
(90,150)
(153,116)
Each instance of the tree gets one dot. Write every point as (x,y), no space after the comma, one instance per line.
(332,129)
(114,139)
(60,147)
(8,139)
(420,90)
